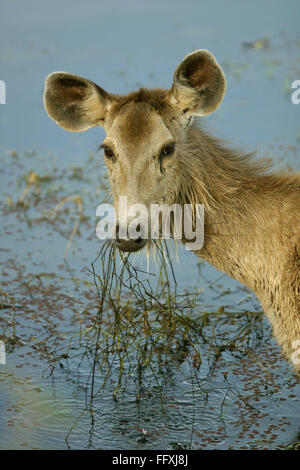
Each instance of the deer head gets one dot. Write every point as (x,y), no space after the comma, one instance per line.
(145,130)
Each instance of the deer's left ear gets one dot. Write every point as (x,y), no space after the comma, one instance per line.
(199,84)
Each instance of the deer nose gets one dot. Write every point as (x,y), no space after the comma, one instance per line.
(129,243)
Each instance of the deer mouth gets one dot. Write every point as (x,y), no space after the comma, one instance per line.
(131,245)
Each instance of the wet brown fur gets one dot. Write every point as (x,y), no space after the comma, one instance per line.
(252,225)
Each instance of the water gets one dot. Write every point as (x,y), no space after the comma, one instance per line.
(250,402)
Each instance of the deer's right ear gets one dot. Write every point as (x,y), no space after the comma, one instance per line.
(74,103)
(199,84)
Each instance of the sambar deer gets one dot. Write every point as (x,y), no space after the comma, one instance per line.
(155,153)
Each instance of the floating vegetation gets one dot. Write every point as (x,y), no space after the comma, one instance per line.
(145,326)
(143,331)
(258,44)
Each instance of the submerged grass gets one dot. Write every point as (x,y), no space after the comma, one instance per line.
(137,325)
(144,330)
(143,324)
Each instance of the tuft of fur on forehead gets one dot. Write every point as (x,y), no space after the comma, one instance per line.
(155,98)
(135,113)
(135,121)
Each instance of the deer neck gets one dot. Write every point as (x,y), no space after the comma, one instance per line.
(238,209)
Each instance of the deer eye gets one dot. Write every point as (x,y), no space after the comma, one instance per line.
(168,150)
(108,152)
